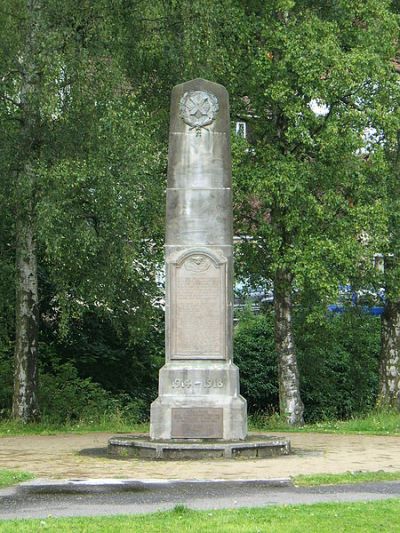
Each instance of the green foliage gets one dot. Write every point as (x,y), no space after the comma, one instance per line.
(93,377)
(105,350)
(70,114)
(7,274)
(254,353)
(307,184)
(97,218)
(304,190)
(6,377)
(338,358)
(65,398)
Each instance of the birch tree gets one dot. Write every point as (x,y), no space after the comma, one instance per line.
(80,192)
(318,71)
(389,369)
(20,103)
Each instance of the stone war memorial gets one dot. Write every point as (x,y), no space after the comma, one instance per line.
(199,411)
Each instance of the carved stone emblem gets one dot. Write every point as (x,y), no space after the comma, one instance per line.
(197,263)
(198,109)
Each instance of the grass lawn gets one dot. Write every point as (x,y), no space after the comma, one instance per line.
(12,477)
(331,517)
(10,428)
(346,478)
(375,423)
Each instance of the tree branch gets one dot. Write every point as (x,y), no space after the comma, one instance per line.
(11,100)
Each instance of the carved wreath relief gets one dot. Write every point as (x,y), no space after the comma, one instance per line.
(198,109)
(198,263)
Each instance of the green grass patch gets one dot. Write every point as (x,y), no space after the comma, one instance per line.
(331,517)
(12,477)
(345,478)
(10,428)
(374,423)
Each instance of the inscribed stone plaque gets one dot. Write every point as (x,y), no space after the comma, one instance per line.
(198,310)
(197,423)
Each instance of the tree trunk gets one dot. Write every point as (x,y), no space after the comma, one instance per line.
(25,405)
(389,371)
(290,404)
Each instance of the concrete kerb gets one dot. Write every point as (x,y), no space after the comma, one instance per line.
(74,486)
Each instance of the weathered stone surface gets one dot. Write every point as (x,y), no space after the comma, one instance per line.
(196,216)
(199,375)
(198,295)
(260,446)
(197,423)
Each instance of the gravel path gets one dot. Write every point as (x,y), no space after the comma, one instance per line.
(80,456)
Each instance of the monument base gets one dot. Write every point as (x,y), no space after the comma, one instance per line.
(199,400)
(142,447)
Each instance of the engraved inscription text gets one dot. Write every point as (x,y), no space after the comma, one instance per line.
(197,423)
(189,383)
(199,312)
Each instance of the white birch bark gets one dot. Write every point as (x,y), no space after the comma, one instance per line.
(25,404)
(389,371)
(290,404)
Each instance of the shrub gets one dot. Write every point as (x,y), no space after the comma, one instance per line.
(255,355)
(6,381)
(115,359)
(64,397)
(338,361)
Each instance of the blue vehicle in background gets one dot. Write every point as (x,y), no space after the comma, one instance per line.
(245,294)
(370,301)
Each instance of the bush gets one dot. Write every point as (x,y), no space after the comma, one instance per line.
(255,355)
(64,397)
(338,359)
(6,381)
(110,357)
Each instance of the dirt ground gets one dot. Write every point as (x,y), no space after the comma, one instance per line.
(58,456)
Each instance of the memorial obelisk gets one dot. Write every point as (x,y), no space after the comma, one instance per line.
(199,394)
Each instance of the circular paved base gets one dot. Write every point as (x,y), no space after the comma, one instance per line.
(254,447)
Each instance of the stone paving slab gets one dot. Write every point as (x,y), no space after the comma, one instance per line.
(60,457)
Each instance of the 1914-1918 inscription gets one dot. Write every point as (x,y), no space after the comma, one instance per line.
(199,292)
(197,423)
